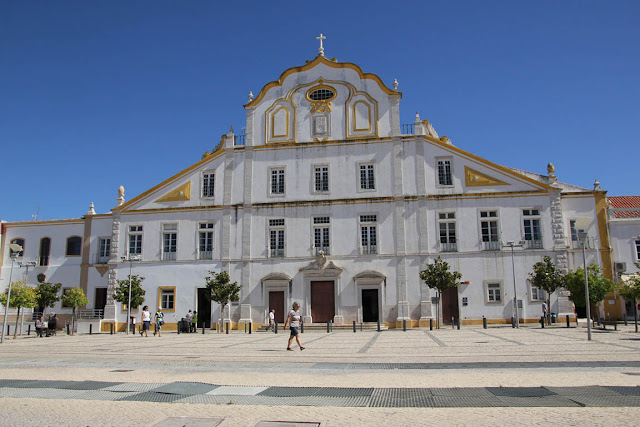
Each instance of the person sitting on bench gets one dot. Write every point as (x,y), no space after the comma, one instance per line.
(40,325)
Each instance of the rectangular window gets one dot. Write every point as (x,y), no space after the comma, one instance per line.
(167,296)
(208,182)
(369,234)
(532,230)
(104,250)
(537,294)
(205,241)
(277,181)
(321,179)
(367,177)
(638,250)
(494,293)
(169,242)
(447,228)
(276,238)
(444,172)
(135,240)
(321,234)
(489,230)
(45,249)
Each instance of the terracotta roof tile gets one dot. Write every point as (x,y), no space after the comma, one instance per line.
(621,202)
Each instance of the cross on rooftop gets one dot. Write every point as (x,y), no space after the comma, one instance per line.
(321,49)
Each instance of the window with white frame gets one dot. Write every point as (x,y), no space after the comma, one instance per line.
(104,250)
(321,234)
(638,249)
(444,172)
(367,176)
(135,239)
(208,184)
(574,231)
(494,292)
(537,294)
(321,179)
(205,241)
(489,230)
(276,238)
(169,242)
(447,227)
(277,181)
(167,297)
(369,234)
(532,230)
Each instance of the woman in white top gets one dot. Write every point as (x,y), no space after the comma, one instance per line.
(146,321)
(293,319)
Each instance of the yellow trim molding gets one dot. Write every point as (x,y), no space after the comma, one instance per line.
(473,178)
(162,288)
(179,194)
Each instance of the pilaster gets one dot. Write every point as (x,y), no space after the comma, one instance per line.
(249,131)
(394,100)
(112,274)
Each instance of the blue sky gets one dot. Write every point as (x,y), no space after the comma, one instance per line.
(98,94)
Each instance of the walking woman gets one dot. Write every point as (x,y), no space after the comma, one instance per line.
(293,319)
(159,318)
(146,321)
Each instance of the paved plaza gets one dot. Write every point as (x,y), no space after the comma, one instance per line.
(418,377)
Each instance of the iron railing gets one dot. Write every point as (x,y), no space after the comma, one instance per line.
(491,246)
(91,313)
(533,244)
(169,256)
(205,255)
(448,247)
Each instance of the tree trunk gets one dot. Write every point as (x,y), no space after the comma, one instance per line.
(438,293)
(15,331)
(73,320)
(635,313)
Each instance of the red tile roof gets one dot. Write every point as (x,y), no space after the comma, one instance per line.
(621,202)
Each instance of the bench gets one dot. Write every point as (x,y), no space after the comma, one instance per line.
(615,323)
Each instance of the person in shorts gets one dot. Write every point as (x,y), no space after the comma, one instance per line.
(293,319)
(159,318)
(146,321)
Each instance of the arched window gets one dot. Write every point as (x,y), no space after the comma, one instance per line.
(18,241)
(45,250)
(74,246)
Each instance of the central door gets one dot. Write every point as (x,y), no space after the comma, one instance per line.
(323,307)
(450,305)
(204,308)
(276,301)
(369,305)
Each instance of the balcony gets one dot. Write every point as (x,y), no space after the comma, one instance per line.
(169,256)
(91,313)
(491,246)
(448,247)
(276,253)
(101,259)
(324,249)
(370,250)
(533,244)
(239,140)
(407,129)
(205,255)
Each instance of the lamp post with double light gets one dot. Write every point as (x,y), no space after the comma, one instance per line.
(15,251)
(131,259)
(513,266)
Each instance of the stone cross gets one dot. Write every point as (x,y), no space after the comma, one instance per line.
(321,49)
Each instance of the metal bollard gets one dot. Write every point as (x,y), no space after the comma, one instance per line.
(301,327)
(513,322)
(68,330)
(568,322)
(431,324)
(484,322)
(110,328)
(250,327)
(328,326)
(378,325)
(360,326)
(29,330)
(453,323)
(404,325)
(458,324)
(91,329)
(226,326)
(202,328)
(275,327)
(542,321)
(354,326)
(8,329)
(245,327)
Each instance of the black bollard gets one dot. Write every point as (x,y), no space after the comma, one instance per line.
(360,326)
(68,330)
(484,322)
(8,329)
(226,326)
(301,327)
(404,325)
(542,321)
(378,325)
(29,330)
(275,327)
(568,322)
(458,324)
(354,326)
(245,327)
(328,326)
(250,327)
(202,328)
(110,328)
(91,329)
(513,322)
(453,323)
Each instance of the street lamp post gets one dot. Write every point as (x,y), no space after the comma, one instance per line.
(131,259)
(513,266)
(582,238)
(15,250)
(26,265)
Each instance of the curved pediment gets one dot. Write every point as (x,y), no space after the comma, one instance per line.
(276,277)
(369,275)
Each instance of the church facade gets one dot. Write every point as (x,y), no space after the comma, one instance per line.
(328,200)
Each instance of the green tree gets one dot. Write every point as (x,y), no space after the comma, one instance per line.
(599,286)
(437,276)
(121,292)
(630,290)
(546,276)
(47,295)
(22,295)
(221,290)
(75,298)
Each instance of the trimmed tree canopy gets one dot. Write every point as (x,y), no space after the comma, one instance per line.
(437,276)
(598,285)
(121,292)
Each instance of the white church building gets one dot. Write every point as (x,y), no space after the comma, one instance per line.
(328,200)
